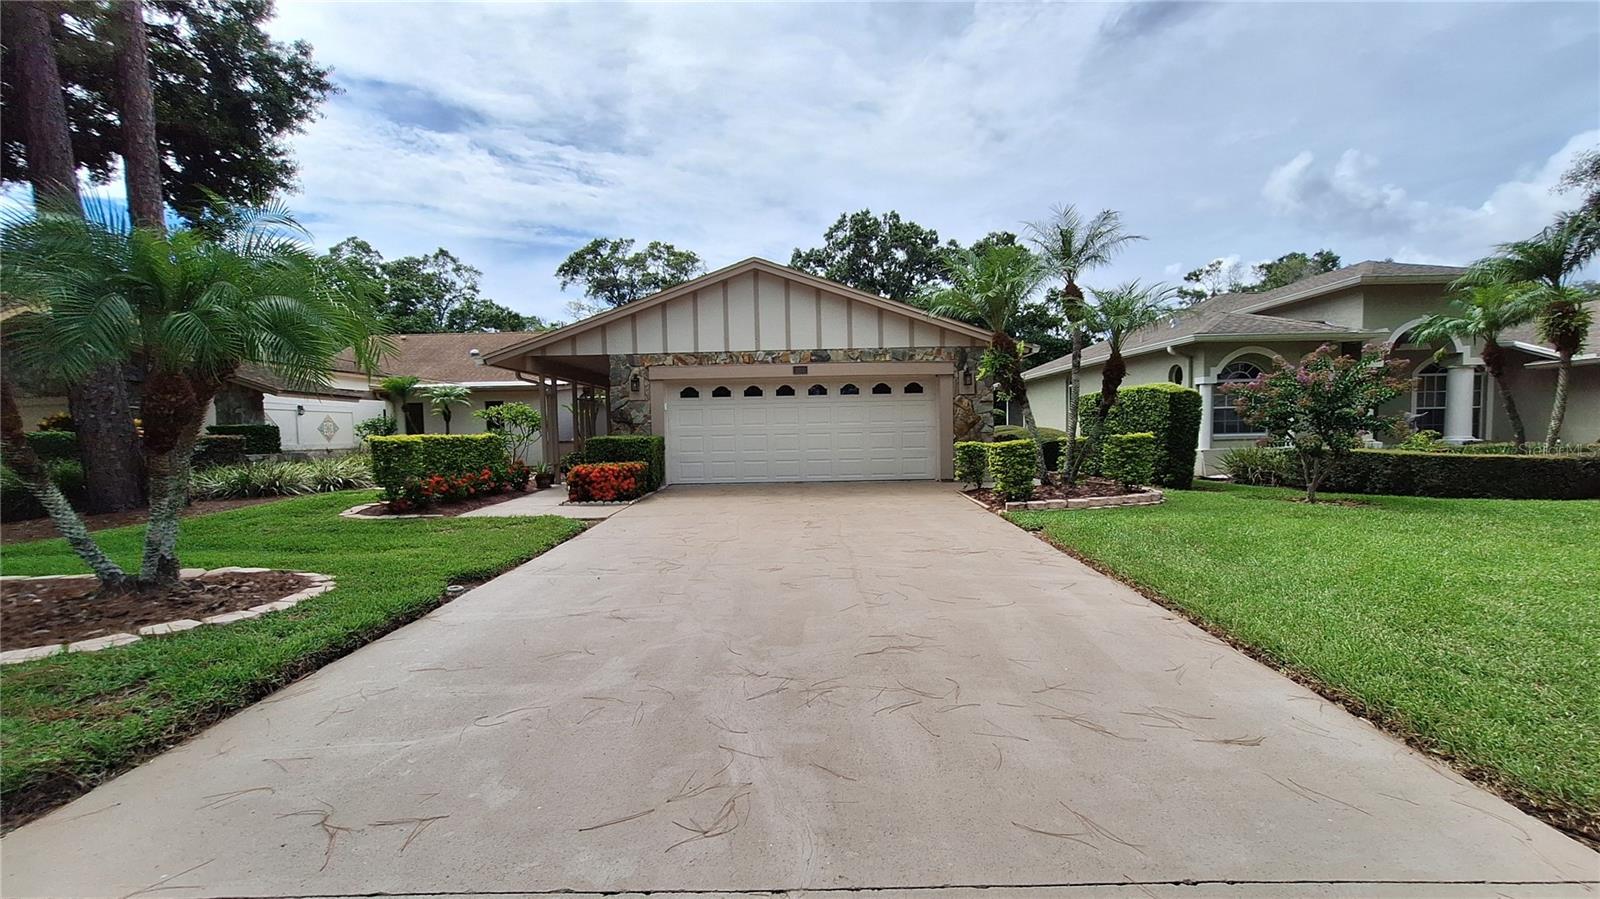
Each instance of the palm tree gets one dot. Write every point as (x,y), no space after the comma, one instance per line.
(1118,313)
(1482,312)
(1546,260)
(91,291)
(1071,246)
(398,389)
(991,289)
(443,396)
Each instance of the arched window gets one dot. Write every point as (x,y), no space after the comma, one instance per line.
(1427,398)
(721,392)
(881,388)
(816,390)
(785,390)
(752,390)
(689,393)
(849,390)
(1175,374)
(913,387)
(1224,418)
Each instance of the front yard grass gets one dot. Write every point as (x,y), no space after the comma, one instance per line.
(69,722)
(1470,626)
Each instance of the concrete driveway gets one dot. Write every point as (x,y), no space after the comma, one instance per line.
(795,688)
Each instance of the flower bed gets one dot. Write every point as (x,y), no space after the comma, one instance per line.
(607,482)
(416,493)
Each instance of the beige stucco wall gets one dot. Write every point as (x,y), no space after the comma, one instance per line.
(1533,389)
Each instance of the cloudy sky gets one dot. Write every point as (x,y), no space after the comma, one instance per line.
(513,133)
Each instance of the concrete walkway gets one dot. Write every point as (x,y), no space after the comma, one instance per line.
(549,501)
(814,688)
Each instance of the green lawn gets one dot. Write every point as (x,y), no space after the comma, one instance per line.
(1472,625)
(68,722)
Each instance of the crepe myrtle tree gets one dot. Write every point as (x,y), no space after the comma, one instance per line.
(442,396)
(83,292)
(1320,405)
(518,423)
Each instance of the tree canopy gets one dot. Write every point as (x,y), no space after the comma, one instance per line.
(1221,276)
(431,294)
(885,255)
(612,273)
(226,98)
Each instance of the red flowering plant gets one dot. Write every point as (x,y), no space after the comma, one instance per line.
(420,492)
(606,482)
(1320,405)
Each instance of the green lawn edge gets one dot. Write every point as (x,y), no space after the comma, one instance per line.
(72,721)
(1470,628)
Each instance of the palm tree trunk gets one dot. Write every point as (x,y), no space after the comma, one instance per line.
(1558,409)
(176,406)
(1494,360)
(1032,427)
(1074,389)
(21,458)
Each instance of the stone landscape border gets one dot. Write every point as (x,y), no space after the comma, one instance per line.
(320,584)
(1148,496)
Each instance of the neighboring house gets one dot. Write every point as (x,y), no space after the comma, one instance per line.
(1235,336)
(760,372)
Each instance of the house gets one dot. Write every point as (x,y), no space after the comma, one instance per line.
(324,418)
(760,372)
(1234,337)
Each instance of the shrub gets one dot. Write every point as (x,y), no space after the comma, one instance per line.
(54,444)
(1421,441)
(519,423)
(972,462)
(1049,438)
(1263,466)
(348,472)
(1170,412)
(250,479)
(606,482)
(418,456)
(420,492)
(260,438)
(58,421)
(1450,474)
(1013,463)
(17,504)
(218,449)
(649,449)
(1510,449)
(377,426)
(569,460)
(1130,459)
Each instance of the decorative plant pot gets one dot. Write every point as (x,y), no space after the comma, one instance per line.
(541,481)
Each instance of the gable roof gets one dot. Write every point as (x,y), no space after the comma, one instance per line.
(753,264)
(444,358)
(1232,316)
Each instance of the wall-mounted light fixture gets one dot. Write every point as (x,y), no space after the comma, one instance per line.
(633,384)
(299,410)
(966,377)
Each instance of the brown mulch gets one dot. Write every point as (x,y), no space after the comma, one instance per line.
(1086,487)
(41,612)
(41,528)
(448,510)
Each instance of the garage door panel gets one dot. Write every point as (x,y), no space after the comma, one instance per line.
(831,437)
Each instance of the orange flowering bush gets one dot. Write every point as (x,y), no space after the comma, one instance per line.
(606,482)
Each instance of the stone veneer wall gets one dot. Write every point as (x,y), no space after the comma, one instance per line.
(973,418)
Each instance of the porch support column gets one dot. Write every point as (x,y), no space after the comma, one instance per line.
(1458,384)
(550,431)
(1202,465)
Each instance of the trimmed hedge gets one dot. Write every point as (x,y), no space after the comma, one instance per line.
(972,462)
(53,444)
(258,438)
(1458,475)
(1013,463)
(646,448)
(419,456)
(1170,412)
(212,450)
(606,482)
(1049,438)
(1130,459)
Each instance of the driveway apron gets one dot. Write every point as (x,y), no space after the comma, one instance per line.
(819,687)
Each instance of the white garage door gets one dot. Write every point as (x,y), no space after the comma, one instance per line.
(786,431)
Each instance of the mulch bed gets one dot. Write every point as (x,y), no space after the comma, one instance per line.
(1084,488)
(42,529)
(447,510)
(42,612)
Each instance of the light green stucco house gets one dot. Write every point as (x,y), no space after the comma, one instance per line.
(1371,303)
